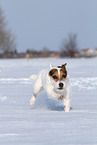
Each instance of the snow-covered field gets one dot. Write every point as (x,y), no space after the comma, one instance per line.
(46,123)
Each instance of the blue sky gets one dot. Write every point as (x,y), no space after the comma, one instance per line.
(46,23)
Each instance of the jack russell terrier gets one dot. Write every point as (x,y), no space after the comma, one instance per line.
(55,82)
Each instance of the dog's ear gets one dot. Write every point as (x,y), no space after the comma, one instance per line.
(64,68)
(51,65)
(64,65)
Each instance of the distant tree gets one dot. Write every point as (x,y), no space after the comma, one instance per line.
(45,52)
(70,46)
(7,39)
(2,28)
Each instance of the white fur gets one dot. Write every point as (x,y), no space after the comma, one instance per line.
(43,81)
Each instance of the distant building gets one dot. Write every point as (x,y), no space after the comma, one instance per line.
(96,51)
(86,52)
(54,54)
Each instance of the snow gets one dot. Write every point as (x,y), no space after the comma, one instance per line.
(46,122)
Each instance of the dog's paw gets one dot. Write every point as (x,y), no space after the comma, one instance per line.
(32,101)
(67,109)
(61,97)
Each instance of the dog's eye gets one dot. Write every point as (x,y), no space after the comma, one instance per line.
(55,77)
(64,76)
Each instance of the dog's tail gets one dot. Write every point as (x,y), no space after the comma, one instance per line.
(33,77)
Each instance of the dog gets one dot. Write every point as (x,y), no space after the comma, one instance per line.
(55,82)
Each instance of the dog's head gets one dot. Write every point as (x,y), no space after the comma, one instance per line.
(58,75)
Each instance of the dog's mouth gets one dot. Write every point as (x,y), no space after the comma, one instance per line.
(60,88)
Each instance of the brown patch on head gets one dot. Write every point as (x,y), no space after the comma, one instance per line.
(63,72)
(54,74)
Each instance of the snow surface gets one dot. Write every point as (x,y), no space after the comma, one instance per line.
(46,123)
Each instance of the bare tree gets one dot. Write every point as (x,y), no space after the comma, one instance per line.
(70,46)
(2,28)
(45,52)
(7,39)
(9,44)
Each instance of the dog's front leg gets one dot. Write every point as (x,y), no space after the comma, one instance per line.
(66,104)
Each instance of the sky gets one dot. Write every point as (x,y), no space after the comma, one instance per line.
(47,23)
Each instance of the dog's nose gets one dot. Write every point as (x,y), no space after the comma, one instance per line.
(61,85)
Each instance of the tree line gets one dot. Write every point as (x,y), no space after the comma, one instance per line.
(7,38)
(8,41)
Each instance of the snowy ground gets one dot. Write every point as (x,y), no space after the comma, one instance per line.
(46,123)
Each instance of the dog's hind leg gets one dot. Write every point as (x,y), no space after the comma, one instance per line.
(37,87)
(35,92)
(32,100)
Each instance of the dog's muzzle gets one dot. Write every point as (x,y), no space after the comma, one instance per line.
(61,86)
